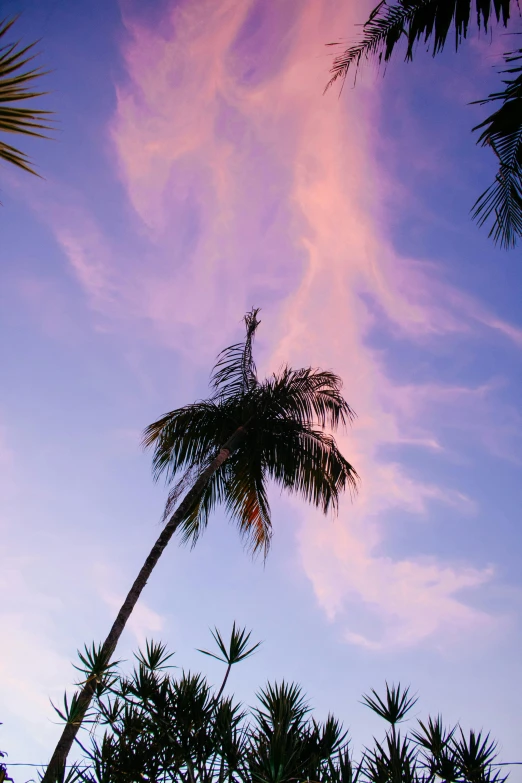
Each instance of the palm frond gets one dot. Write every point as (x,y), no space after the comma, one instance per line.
(308,395)
(394,707)
(194,523)
(184,438)
(475,753)
(302,460)
(307,462)
(154,657)
(235,370)
(247,500)
(282,705)
(502,132)
(393,760)
(414,21)
(17,77)
(433,741)
(236,650)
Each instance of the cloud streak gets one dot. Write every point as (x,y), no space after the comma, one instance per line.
(248,186)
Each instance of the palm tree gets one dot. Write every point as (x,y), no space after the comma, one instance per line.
(16,85)
(430,21)
(225,450)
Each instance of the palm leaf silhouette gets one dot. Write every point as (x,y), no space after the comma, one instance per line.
(431,22)
(502,132)
(17,77)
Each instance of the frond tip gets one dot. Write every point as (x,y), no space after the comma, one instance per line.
(16,85)
(235,369)
(502,132)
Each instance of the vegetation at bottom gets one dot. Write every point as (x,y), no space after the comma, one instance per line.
(160,724)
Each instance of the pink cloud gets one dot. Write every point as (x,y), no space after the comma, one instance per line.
(406,601)
(251,187)
(144,624)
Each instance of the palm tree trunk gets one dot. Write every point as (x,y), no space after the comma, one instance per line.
(55,769)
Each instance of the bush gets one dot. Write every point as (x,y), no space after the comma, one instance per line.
(155,726)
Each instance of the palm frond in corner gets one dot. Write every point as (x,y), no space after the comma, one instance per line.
(502,131)
(414,21)
(17,78)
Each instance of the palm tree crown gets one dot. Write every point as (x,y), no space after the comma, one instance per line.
(281,422)
(16,85)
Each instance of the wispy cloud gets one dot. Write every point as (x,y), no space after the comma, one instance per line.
(248,186)
(31,670)
(144,623)
(406,601)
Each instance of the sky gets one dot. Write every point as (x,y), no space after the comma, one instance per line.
(198,170)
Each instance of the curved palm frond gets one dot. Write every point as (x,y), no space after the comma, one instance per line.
(235,370)
(301,460)
(247,498)
(16,84)
(185,437)
(194,523)
(307,462)
(502,131)
(415,20)
(308,395)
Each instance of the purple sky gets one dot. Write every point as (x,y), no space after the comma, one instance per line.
(198,170)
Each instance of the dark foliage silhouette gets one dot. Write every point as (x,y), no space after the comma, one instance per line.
(225,450)
(433,23)
(155,725)
(17,113)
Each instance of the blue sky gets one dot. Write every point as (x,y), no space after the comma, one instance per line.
(198,171)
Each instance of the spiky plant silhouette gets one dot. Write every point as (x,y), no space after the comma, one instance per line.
(157,726)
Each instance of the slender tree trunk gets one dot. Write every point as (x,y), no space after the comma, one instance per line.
(56,767)
(225,678)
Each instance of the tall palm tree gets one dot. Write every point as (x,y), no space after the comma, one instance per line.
(17,77)
(431,21)
(225,450)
